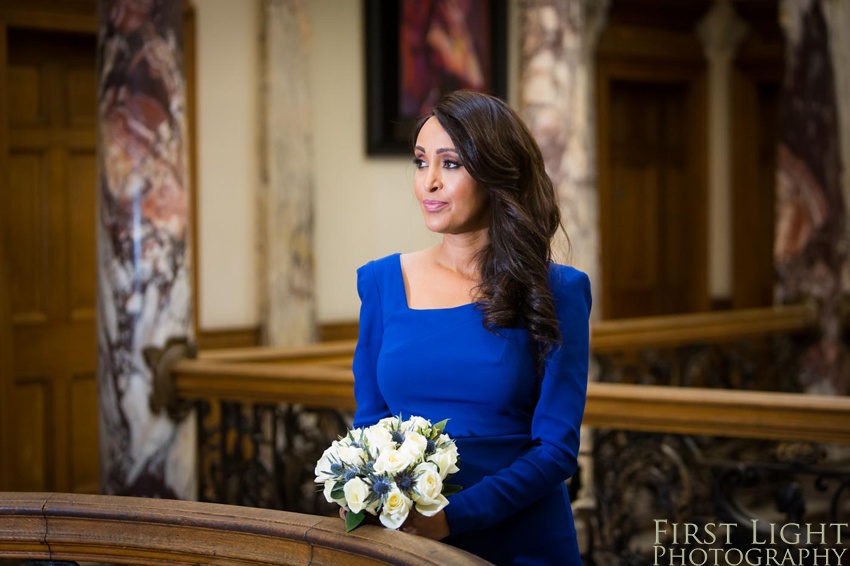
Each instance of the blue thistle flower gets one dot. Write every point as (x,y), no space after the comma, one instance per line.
(398,437)
(405,481)
(381,486)
(430,447)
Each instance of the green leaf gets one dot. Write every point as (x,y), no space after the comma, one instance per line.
(449,489)
(441,426)
(353,520)
(338,492)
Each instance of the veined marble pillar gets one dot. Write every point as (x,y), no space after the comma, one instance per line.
(837,15)
(811,248)
(721,30)
(144,291)
(287,271)
(558,40)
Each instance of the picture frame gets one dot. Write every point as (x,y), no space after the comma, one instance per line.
(407,67)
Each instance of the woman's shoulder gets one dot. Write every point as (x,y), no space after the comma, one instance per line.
(381,265)
(567,281)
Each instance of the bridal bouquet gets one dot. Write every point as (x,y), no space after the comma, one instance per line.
(389,469)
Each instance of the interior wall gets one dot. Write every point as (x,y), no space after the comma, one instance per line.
(227,98)
(364,206)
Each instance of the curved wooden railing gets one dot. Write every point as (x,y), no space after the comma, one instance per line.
(263,396)
(320,376)
(128,530)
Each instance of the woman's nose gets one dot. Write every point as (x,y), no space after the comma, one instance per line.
(433,180)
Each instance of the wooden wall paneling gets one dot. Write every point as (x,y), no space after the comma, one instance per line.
(51,15)
(190,72)
(756,79)
(698,181)
(603,176)
(5,317)
(744,179)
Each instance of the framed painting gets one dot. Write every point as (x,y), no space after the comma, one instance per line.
(418,50)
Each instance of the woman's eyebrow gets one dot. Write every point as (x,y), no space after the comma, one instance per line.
(440,150)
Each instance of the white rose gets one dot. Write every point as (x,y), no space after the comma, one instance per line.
(417,424)
(392,461)
(414,444)
(329,487)
(323,466)
(446,459)
(388,422)
(379,439)
(356,493)
(351,455)
(427,490)
(396,508)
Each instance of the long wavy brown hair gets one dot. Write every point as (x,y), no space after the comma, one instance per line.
(501,155)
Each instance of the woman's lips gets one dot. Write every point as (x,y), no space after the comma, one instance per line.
(434,205)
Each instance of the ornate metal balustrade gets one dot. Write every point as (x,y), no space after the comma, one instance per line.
(265,416)
(264,455)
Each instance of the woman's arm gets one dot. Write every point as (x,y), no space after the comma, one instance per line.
(371,406)
(555,426)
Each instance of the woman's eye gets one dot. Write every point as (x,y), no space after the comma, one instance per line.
(418,162)
(451,164)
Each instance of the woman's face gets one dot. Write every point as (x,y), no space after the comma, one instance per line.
(451,201)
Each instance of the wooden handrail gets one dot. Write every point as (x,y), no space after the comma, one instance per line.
(129,530)
(323,352)
(320,376)
(703,328)
(719,412)
(313,385)
(605,335)
(687,410)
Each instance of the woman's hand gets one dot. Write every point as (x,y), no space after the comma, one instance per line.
(436,527)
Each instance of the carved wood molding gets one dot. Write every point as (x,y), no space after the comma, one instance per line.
(57,526)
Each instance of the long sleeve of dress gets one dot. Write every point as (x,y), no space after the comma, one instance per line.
(371,406)
(555,425)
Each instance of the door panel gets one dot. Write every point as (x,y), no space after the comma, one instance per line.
(652,240)
(31,438)
(26,214)
(51,241)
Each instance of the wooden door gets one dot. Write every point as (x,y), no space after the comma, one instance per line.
(48,215)
(653,237)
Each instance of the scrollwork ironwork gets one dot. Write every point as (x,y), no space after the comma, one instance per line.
(264,455)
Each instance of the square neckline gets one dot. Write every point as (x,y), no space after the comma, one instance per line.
(404,300)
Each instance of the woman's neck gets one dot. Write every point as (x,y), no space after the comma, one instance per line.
(457,252)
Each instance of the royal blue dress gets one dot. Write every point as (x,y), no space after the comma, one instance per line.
(517,435)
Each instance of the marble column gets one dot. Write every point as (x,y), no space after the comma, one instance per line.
(811,247)
(837,15)
(144,263)
(721,31)
(558,43)
(287,264)
(558,40)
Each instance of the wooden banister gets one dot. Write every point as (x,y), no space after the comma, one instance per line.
(687,410)
(314,385)
(605,335)
(719,412)
(320,353)
(320,376)
(710,327)
(128,530)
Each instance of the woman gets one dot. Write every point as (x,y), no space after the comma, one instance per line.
(484,330)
